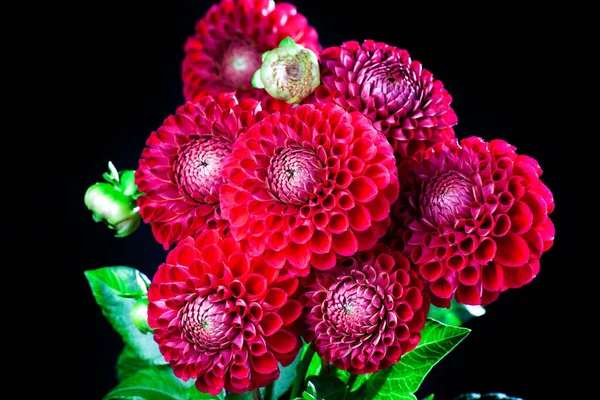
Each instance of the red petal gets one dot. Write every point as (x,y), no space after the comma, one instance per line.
(363,189)
(298,255)
(521,218)
(282,342)
(512,251)
(265,364)
(271,323)
(344,244)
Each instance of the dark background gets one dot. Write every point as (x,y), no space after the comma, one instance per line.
(117,76)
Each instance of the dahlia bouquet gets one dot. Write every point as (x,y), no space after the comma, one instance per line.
(327,233)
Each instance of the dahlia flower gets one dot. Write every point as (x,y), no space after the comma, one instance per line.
(402,98)
(306,185)
(221,317)
(225,50)
(365,313)
(180,169)
(474,217)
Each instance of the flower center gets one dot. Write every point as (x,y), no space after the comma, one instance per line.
(391,85)
(198,168)
(293,174)
(351,308)
(447,194)
(240,61)
(205,323)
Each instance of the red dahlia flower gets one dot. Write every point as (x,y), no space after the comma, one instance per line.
(366,312)
(402,99)
(474,217)
(309,184)
(226,49)
(222,317)
(180,169)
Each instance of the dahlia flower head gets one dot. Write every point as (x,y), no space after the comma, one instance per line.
(304,186)
(365,313)
(224,318)
(474,217)
(225,51)
(396,93)
(180,169)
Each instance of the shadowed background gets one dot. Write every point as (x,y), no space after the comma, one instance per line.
(125,65)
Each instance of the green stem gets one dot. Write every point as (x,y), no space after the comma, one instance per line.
(256,394)
(269,391)
(301,372)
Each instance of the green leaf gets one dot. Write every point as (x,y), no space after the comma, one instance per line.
(328,387)
(401,380)
(314,368)
(283,383)
(157,383)
(457,314)
(430,397)
(115,290)
(128,363)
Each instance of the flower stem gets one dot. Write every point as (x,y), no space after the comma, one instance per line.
(256,394)
(301,372)
(325,367)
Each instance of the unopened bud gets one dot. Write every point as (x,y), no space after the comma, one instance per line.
(289,72)
(139,315)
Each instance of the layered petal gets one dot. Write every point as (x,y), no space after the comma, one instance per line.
(221,317)
(226,47)
(308,182)
(400,97)
(365,313)
(474,217)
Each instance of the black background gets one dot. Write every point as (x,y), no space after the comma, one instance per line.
(120,69)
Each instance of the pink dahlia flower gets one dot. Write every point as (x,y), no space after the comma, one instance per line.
(180,169)
(226,48)
(474,217)
(306,185)
(365,313)
(221,317)
(402,99)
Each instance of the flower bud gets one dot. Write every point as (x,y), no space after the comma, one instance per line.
(289,72)
(112,206)
(139,315)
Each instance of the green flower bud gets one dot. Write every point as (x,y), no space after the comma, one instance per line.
(139,315)
(110,205)
(289,72)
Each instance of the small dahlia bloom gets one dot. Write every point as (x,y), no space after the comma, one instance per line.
(309,184)
(402,98)
(225,51)
(474,217)
(180,169)
(221,317)
(365,313)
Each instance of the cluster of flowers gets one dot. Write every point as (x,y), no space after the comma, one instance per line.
(333,213)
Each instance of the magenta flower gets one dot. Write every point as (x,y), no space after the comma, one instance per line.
(306,185)
(474,217)
(367,312)
(402,98)
(221,317)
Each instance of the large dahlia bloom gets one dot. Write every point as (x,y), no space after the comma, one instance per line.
(226,48)
(180,169)
(222,317)
(402,99)
(306,185)
(365,313)
(474,217)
